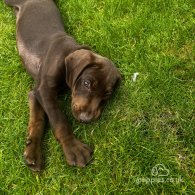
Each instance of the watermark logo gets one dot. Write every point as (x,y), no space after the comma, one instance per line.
(159,170)
(159,174)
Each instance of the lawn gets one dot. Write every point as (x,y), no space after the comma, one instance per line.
(145,139)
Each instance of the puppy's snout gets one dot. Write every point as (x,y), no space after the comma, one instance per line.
(84,110)
(85,117)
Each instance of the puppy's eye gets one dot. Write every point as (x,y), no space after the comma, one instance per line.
(87,83)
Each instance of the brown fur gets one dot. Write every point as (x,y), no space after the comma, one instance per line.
(54,60)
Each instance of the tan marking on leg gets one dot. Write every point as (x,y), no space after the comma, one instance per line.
(32,153)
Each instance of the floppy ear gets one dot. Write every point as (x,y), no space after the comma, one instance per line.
(75,63)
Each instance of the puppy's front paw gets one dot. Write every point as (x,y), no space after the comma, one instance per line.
(33,155)
(77,153)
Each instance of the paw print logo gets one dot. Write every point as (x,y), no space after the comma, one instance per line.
(159,170)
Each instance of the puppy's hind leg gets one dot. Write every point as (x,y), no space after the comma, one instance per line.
(33,153)
(15,4)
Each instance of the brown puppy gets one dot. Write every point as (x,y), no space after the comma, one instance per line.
(54,59)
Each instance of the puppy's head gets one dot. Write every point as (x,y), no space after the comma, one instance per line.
(92,79)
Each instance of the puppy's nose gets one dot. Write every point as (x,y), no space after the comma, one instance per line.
(84,117)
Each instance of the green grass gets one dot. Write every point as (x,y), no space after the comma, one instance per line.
(147,122)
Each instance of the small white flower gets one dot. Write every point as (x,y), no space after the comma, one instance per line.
(134,77)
